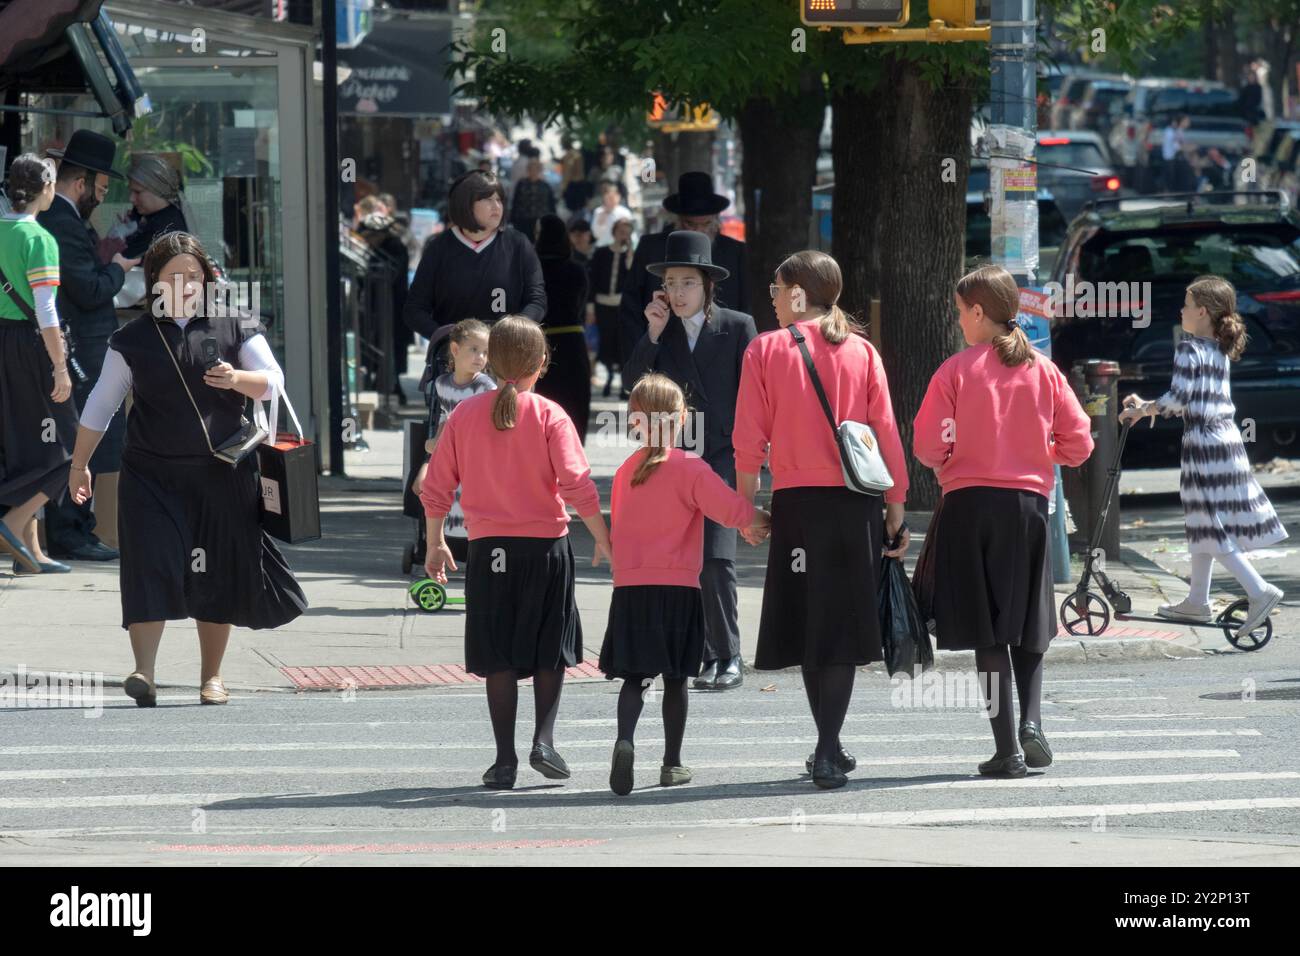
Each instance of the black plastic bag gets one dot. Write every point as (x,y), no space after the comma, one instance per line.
(923,573)
(903,633)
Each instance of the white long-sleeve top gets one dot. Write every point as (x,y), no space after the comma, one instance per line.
(115,379)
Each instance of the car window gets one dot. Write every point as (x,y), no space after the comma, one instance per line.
(1052,226)
(1074,153)
(1254,259)
(1203,102)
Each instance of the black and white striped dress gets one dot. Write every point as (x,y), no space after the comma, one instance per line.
(1224,508)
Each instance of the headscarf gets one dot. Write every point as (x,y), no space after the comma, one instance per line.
(158,176)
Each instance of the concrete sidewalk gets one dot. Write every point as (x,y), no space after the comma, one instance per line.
(362,617)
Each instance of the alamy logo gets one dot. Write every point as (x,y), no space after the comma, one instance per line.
(103,909)
(1111,300)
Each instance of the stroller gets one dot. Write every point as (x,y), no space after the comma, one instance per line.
(427,593)
(1086,612)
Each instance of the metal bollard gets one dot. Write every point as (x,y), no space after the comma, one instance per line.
(1097,384)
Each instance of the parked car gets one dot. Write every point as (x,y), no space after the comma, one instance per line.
(1216,125)
(1100,100)
(1252,239)
(1052,228)
(1074,166)
(1070,93)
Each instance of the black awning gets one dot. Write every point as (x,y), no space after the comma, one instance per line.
(398,70)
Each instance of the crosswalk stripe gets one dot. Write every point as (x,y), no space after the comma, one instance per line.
(1057,781)
(108,773)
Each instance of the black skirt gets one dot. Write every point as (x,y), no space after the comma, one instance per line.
(567,381)
(823,565)
(992,571)
(610,351)
(37,435)
(521,610)
(654,629)
(193,546)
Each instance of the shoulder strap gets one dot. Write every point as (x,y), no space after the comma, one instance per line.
(184,385)
(816,380)
(19,301)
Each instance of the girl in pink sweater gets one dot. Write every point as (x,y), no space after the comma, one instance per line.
(994,421)
(661,497)
(519,460)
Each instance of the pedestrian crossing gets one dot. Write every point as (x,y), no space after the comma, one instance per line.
(1130,753)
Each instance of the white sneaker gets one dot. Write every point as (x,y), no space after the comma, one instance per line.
(1184,610)
(1260,608)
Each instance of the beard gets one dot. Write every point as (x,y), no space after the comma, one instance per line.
(87,204)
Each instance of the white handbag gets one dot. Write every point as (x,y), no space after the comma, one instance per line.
(864,466)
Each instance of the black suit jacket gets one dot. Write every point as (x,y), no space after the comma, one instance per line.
(86,286)
(710,376)
(641,286)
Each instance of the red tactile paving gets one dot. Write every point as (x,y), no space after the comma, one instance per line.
(1123,630)
(381,676)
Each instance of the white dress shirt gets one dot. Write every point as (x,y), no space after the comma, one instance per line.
(694,325)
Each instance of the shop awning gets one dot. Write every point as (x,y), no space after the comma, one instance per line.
(54,46)
(398,70)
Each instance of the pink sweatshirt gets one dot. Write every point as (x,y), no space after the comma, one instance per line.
(514,483)
(778,405)
(658,526)
(984,424)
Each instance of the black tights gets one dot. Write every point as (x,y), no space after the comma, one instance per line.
(996,668)
(632,697)
(829,690)
(503,703)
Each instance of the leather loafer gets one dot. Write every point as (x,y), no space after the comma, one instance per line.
(1034,744)
(141,689)
(90,551)
(620,770)
(827,776)
(214,692)
(730,675)
(14,545)
(708,677)
(500,776)
(548,763)
(674,776)
(844,760)
(46,567)
(1013,766)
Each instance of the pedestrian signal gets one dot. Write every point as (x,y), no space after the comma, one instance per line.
(961,13)
(854,13)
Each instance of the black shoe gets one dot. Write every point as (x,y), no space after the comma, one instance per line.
(708,677)
(1013,766)
(827,776)
(620,771)
(624,395)
(1035,746)
(608,387)
(548,763)
(90,551)
(500,776)
(730,675)
(844,760)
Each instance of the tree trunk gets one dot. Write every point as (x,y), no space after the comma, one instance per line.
(920,226)
(1229,60)
(678,153)
(855,217)
(1209,41)
(778,169)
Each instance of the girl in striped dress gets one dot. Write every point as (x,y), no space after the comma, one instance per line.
(1225,511)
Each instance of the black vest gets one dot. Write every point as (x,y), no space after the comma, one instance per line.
(162,420)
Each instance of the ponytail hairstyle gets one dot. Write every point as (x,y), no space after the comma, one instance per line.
(819,278)
(994,291)
(1218,297)
(658,400)
(518,349)
(28,175)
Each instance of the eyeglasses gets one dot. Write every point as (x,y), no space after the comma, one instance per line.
(773,290)
(686,285)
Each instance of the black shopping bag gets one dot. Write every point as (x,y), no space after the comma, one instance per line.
(290,496)
(903,634)
(923,573)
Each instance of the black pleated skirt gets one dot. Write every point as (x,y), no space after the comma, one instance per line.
(654,629)
(993,575)
(193,546)
(521,609)
(567,381)
(36,434)
(823,566)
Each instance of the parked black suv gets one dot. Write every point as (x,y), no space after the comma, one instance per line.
(1251,239)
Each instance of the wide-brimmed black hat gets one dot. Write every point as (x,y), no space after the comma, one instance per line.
(692,250)
(695,196)
(90,150)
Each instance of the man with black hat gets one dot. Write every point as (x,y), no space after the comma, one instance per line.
(696,207)
(700,345)
(85,302)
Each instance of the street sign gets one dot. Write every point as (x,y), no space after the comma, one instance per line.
(854,13)
(961,13)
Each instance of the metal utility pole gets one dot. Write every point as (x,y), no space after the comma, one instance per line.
(333,313)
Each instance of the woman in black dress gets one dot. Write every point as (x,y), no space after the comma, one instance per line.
(607,273)
(568,380)
(190,528)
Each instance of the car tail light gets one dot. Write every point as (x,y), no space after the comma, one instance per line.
(1290,296)
(1054,141)
(1132,131)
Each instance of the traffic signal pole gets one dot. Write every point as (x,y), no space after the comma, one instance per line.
(1013,181)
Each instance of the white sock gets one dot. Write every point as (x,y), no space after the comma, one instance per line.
(1202,568)
(1244,572)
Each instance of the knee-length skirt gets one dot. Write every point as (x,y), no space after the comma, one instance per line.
(654,629)
(521,610)
(823,567)
(192,545)
(37,434)
(992,571)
